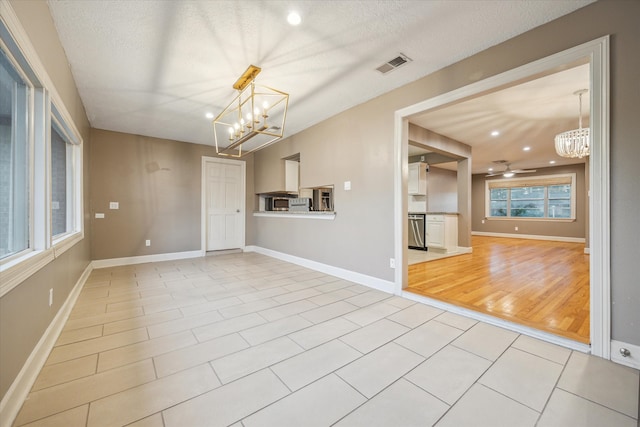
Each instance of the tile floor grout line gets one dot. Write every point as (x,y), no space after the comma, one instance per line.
(427,391)
(597,403)
(555,386)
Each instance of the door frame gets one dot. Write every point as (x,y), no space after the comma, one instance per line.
(203,199)
(597,52)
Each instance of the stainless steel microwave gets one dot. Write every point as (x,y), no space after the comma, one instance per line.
(276,203)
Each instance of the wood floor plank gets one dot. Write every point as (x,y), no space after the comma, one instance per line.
(537,283)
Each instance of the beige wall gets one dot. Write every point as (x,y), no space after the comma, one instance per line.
(24,311)
(442,190)
(157,183)
(574,229)
(357,145)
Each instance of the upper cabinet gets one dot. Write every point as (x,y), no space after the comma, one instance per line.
(277,175)
(291,176)
(418,179)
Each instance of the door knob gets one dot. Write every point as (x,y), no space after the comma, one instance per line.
(238,210)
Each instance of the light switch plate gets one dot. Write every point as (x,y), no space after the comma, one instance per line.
(99,215)
(347,185)
(114,205)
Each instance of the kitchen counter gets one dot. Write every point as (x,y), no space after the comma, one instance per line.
(293,214)
(432,213)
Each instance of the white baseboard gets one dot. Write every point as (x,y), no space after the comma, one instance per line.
(632,360)
(142,259)
(19,390)
(535,333)
(531,237)
(352,276)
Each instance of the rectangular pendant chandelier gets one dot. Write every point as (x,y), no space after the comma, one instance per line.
(254,118)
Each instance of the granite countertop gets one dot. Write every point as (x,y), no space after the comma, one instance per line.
(433,213)
(297,212)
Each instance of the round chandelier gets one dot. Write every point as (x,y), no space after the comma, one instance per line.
(574,143)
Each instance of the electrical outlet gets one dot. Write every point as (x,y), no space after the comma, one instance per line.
(50,297)
(516,228)
(392,263)
(147,242)
(483,221)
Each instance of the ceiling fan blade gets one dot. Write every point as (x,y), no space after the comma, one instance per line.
(494,174)
(523,170)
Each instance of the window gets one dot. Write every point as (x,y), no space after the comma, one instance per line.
(63,190)
(543,197)
(40,163)
(14,160)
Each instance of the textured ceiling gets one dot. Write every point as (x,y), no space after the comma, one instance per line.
(156,68)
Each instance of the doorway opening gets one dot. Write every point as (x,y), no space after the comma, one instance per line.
(596,53)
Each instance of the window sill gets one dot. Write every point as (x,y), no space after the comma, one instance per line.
(64,243)
(18,270)
(303,215)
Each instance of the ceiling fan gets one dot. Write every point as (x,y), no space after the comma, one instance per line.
(508,172)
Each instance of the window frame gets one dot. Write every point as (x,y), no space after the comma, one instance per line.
(44,103)
(62,242)
(29,154)
(533,181)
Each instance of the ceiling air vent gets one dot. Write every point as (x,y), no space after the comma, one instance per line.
(394,63)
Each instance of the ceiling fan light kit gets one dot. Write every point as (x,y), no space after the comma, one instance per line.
(254,118)
(508,172)
(574,143)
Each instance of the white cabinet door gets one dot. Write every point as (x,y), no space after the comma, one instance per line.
(291,175)
(442,232)
(435,234)
(417,179)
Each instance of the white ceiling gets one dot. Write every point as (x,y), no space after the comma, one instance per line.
(156,68)
(526,115)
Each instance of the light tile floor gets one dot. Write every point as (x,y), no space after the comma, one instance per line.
(248,340)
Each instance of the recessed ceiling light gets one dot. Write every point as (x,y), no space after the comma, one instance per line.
(553,162)
(294,18)
(490,169)
(495,133)
(209,115)
(526,149)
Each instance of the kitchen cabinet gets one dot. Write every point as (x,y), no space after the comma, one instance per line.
(276,175)
(442,232)
(291,176)
(418,179)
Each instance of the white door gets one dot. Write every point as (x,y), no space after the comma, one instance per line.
(224,198)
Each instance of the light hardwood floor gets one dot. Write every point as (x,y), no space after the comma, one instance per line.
(541,284)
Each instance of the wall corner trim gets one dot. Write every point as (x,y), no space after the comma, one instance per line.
(19,390)
(352,276)
(632,361)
